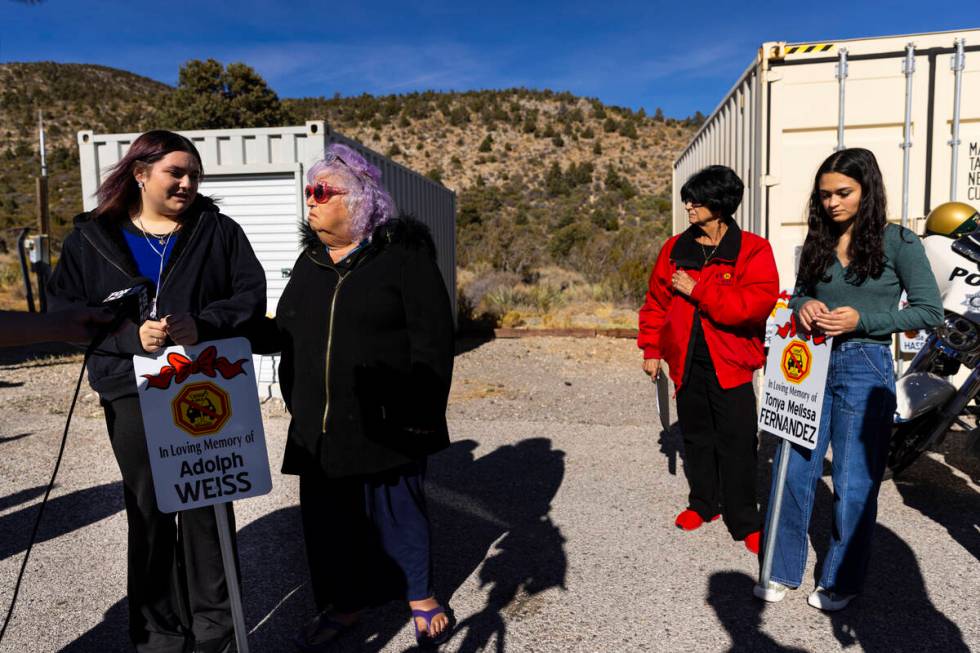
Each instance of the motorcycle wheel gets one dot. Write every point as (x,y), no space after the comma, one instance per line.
(909,440)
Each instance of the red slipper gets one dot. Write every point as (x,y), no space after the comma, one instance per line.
(752,542)
(689,520)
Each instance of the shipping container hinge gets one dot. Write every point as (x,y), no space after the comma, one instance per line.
(774,76)
(770,180)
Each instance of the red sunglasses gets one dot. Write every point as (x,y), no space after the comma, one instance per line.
(321,193)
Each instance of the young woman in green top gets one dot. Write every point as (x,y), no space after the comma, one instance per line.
(853,269)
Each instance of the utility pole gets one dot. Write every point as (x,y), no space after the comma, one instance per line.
(41,255)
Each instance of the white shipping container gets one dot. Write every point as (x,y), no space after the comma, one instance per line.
(792,108)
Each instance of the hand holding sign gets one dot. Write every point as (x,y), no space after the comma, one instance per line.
(838,321)
(810,311)
(182,328)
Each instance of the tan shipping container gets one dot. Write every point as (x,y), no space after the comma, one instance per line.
(792,108)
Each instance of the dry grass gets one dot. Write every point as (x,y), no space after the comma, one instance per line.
(550,298)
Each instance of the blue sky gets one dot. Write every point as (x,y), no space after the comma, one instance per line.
(681,56)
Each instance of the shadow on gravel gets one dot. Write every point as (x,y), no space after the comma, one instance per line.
(54,350)
(490,511)
(17,498)
(473,340)
(12,438)
(275,593)
(112,633)
(730,595)
(894,612)
(62,515)
(494,511)
(672,446)
(931,488)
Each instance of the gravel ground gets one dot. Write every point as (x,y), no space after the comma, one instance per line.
(553,515)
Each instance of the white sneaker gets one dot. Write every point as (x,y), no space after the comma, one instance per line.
(773,592)
(824,599)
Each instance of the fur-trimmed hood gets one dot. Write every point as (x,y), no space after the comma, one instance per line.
(404,230)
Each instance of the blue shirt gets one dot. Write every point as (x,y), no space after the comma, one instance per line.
(147,260)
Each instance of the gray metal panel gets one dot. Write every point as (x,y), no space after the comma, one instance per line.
(429,202)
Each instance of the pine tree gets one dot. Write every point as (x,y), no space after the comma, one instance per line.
(210,96)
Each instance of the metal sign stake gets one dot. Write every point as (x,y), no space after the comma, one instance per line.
(231,576)
(772,526)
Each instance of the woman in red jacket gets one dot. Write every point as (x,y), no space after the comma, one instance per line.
(710,293)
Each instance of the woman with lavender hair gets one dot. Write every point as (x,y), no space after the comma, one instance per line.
(366,334)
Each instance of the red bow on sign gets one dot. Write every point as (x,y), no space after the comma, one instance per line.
(789,330)
(181,367)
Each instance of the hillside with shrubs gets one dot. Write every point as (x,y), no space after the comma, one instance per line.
(562,201)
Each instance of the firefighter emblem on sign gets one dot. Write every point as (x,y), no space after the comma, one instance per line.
(201,408)
(796,361)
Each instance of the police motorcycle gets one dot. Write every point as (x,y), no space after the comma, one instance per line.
(928,401)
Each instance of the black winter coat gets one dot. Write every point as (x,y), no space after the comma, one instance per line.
(212,273)
(367,354)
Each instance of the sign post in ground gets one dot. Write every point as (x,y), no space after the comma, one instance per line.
(791,406)
(205,439)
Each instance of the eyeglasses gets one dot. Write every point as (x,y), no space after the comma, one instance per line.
(321,193)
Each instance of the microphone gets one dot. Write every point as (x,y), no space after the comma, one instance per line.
(132,303)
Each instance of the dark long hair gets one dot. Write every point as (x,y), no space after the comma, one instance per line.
(866,250)
(119,195)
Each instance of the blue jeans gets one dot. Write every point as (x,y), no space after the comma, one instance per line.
(858,404)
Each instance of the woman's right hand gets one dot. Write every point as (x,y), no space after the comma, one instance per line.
(153,335)
(651,366)
(809,311)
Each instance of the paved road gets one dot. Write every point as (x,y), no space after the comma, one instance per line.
(553,514)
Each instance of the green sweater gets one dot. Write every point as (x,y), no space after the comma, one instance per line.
(906,268)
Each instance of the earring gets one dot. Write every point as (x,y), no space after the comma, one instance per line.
(140,184)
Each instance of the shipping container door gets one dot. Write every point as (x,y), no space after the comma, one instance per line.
(968,159)
(267,207)
(803,132)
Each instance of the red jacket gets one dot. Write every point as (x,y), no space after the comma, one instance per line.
(734,294)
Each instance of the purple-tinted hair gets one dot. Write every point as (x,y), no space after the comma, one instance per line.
(369,204)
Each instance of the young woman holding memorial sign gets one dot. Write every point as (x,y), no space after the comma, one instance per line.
(206,282)
(366,333)
(853,269)
(710,293)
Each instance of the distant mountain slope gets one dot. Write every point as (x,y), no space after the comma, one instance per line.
(542,177)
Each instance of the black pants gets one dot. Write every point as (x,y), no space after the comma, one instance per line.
(367,537)
(720,445)
(176,581)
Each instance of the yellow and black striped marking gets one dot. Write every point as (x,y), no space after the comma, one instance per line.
(808,48)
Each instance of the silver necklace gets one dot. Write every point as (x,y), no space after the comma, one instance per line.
(163,239)
(162,254)
(705,252)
